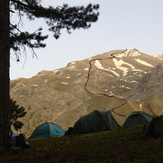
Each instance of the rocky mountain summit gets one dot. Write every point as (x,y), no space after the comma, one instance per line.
(118,80)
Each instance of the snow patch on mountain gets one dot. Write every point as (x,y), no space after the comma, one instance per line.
(58,72)
(72,63)
(111,93)
(160,56)
(115,73)
(119,63)
(144,63)
(98,65)
(134,81)
(133,53)
(64,82)
(129,53)
(78,74)
(72,67)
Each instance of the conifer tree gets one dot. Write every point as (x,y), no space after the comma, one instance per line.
(13,39)
(16,112)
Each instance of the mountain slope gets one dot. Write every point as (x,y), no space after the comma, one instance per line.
(100,82)
(150,90)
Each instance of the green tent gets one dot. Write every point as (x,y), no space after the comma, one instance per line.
(95,121)
(47,130)
(138,118)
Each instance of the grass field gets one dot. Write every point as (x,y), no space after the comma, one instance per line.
(123,145)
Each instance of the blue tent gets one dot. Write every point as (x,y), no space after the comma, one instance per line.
(11,134)
(47,130)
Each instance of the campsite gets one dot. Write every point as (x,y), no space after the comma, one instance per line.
(94,96)
(97,138)
(97,120)
(120,145)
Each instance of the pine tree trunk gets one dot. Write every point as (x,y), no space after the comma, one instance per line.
(4,76)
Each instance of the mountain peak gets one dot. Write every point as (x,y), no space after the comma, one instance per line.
(129,53)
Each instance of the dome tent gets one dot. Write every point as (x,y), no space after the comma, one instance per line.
(95,121)
(137,118)
(11,134)
(47,130)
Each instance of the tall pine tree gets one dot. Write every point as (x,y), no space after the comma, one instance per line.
(4,76)
(11,37)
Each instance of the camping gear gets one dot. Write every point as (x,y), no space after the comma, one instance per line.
(137,118)
(69,131)
(47,130)
(21,141)
(28,136)
(11,134)
(12,138)
(95,121)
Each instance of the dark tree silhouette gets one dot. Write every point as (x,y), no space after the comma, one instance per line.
(11,37)
(4,76)
(16,112)
(61,17)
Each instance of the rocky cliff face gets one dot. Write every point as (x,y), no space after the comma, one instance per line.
(150,85)
(150,90)
(101,82)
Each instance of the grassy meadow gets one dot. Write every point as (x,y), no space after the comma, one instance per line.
(122,145)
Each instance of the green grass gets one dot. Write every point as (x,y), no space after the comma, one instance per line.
(121,145)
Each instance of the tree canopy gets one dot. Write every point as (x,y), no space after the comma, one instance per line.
(57,18)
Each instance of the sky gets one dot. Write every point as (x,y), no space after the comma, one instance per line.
(122,24)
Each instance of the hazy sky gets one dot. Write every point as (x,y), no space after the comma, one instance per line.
(122,24)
